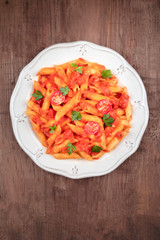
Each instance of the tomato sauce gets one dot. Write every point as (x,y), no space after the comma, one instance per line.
(123,101)
(51,113)
(108,131)
(118,135)
(84,146)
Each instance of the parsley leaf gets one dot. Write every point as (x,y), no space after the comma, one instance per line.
(52,129)
(96,149)
(38,95)
(70,148)
(74,65)
(108,120)
(106,74)
(76,116)
(77,69)
(64,90)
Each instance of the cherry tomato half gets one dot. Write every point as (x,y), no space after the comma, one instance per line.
(104,106)
(91,127)
(57,98)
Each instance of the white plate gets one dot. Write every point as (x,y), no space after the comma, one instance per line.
(61,53)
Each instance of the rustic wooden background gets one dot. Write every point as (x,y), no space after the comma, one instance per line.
(123,205)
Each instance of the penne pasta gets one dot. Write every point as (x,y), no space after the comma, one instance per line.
(52,138)
(78,110)
(59,82)
(40,135)
(85,156)
(65,155)
(37,86)
(116,89)
(33,106)
(61,73)
(76,129)
(98,155)
(60,147)
(129,111)
(46,71)
(68,106)
(115,142)
(93,103)
(119,128)
(94,96)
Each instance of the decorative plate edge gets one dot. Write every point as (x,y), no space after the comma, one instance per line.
(75,170)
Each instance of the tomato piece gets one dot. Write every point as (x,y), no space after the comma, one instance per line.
(57,98)
(39,102)
(73,78)
(67,99)
(118,135)
(105,90)
(68,134)
(84,146)
(51,113)
(37,120)
(91,127)
(82,79)
(123,101)
(104,106)
(93,79)
(108,131)
(61,120)
(115,103)
(118,95)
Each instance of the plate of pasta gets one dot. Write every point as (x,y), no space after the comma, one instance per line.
(83,112)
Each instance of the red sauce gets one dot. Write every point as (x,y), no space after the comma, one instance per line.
(84,146)
(123,101)
(119,135)
(108,131)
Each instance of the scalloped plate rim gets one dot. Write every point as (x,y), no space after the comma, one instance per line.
(122,159)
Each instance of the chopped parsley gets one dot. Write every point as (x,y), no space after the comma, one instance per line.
(96,149)
(108,120)
(77,69)
(76,116)
(64,90)
(38,95)
(70,148)
(52,129)
(106,74)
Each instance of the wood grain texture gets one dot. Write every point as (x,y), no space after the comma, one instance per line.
(123,205)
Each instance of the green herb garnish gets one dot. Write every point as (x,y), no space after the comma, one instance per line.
(52,129)
(108,120)
(38,95)
(77,69)
(76,116)
(64,90)
(106,74)
(74,65)
(96,149)
(70,148)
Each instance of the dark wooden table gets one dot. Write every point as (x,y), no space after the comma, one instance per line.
(123,205)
